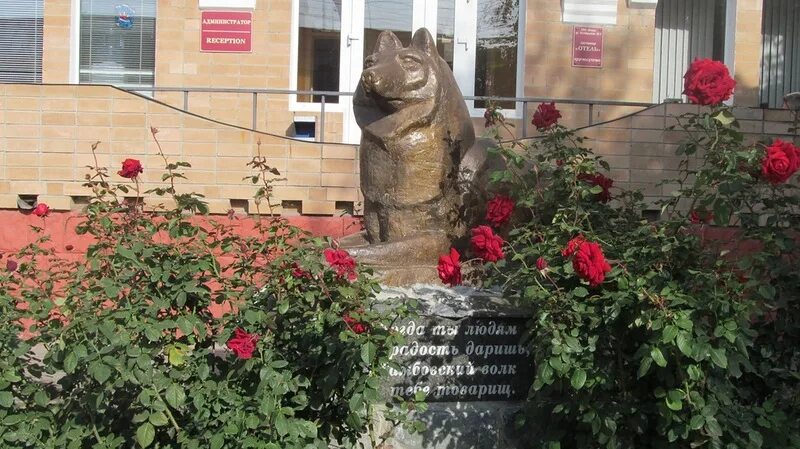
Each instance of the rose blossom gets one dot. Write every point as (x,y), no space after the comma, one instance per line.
(341,262)
(541,264)
(449,268)
(599,179)
(697,217)
(486,244)
(573,245)
(11,265)
(130,168)
(242,344)
(355,325)
(498,210)
(780,161)
(708,82)
(546,116)
(590,263)
(41,210)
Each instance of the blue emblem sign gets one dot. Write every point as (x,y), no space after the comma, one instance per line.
(124,16)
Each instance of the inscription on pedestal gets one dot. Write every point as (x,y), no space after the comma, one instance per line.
(466,359)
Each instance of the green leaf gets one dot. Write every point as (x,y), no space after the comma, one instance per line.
(158,419)
(368,351)
(70,363)
(683,344)
(217,441)
(718,357)
(674,400)
(713,428)
(175,395)
(657,356)
(100,371)
(176,356)
(6,399)
(145,434)
(669,333)
(580,292)
(578,379)
(644,367)
(697,422)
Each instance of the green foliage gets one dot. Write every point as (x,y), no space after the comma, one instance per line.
(689,341)
(129,352)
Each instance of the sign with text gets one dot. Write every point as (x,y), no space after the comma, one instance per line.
(587,47)
(226,31)
(467,359)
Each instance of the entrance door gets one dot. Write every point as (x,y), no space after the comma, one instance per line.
(686,30)
(484,55)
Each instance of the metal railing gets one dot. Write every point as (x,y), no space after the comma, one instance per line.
(324,95)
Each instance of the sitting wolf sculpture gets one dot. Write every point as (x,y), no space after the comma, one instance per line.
(420,167)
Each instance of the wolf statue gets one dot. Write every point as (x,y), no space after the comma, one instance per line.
(422,173)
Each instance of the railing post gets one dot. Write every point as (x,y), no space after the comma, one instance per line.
(591,113)
(524,119)
(255,109)
(186,100)
(322,119)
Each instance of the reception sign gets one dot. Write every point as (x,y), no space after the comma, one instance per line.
(587,47)
(226,31)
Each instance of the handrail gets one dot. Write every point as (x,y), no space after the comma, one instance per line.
(323,94)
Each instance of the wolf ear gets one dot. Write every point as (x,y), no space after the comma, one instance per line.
(423,40)
(387,41)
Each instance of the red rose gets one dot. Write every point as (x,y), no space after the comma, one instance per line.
(573,245)
(598,179)
(708,82)
(590,263)
(486,244)
(11,265)
(130,168)
(450,268)
(41,210)
(780,162)
(541,264)
(546,116)
(498,210)
(697,217)
(299,272)
(242,344)
(341,261)
(354,325)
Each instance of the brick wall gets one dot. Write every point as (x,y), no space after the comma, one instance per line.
(48,131)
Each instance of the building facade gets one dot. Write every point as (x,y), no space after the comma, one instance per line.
(244,70)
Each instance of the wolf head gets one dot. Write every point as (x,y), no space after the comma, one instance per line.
(397,76)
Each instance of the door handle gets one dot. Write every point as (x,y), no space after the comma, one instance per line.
(465,43)
(350,39)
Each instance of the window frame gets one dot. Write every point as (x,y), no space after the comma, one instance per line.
(429,5)
(75,48)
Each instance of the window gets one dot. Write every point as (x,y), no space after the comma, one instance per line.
(496,55)
(117,43)
(686,30)
(320,24)
(480,40)
(21,41)
(780,66)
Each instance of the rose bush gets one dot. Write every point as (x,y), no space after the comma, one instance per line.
(174,334)
(650,333)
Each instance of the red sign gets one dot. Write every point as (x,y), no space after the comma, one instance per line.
(226,31)
(587,47)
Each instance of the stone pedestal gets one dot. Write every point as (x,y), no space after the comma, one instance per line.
(464,351)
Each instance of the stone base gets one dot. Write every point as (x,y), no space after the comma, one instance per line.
(458,424)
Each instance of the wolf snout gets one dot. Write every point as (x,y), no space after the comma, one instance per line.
(369,79)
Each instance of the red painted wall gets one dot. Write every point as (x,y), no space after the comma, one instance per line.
(16,232)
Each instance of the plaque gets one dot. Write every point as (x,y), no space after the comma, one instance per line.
(462,359)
